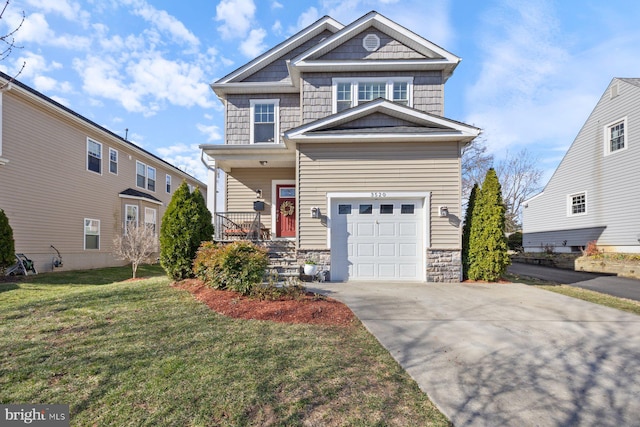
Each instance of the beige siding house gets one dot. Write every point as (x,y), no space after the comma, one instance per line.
(336,141)
(68,183)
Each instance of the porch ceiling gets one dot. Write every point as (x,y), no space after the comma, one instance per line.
(228,157)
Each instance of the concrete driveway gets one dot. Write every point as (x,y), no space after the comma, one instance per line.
(506,355)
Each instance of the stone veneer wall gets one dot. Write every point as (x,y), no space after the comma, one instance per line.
(444,265)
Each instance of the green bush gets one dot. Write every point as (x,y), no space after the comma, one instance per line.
(185,225)
(7,244)
(238,266)
(514,241)
(488,257)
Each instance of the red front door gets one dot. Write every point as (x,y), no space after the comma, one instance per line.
(285,210)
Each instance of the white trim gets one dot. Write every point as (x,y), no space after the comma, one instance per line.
(155,178)
(137,220)
(145,174)
(111,149)
(355,81)
(87,155)
(126,196)
(607,136)
(84,234)
(274,195)
(570,203)
(276,119)
(154,217)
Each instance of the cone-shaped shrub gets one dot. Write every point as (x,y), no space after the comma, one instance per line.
(181,233)
(466,230)
(488,257)
(7,244)
(203,218)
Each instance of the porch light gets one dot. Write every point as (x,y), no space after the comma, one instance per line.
(259,193)
(444,211)
(263,162)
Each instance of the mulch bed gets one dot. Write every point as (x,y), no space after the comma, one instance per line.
(307,309)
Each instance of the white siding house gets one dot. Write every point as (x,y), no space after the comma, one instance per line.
(594,195)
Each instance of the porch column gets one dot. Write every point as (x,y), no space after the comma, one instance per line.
(212,185)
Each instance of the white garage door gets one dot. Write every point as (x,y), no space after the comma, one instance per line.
(377,239)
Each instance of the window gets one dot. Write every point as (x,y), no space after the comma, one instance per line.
(168,181)
(407,209)
(349,92)
(344,209)
(91,233)
(150,218)
(113,161)
(264,120)
(131,217)
(151,178)
(287,192)
(141,175)
(366,209)
(94,156)
(577,204)
(386,209)
(615,138)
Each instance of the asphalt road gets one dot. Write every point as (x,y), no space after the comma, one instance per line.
(607,284)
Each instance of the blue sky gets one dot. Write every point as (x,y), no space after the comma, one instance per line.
(531,73)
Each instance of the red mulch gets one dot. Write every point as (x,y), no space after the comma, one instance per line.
(308,309)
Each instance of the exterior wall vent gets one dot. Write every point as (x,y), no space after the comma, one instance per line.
(371,42)
(614,91)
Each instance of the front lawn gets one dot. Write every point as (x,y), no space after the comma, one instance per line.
(143,353)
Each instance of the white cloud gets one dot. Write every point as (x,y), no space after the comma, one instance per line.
(185,157)
(276,5)
(36,29)
(305,19)
(253,45)
(48,84)
(277,27)
(166,23)
(212,132)
(70,10)
(236,16)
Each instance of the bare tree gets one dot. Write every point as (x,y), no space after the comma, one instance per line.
(137,245)
(518,174)
(8,40)
(475,164)
(520,177)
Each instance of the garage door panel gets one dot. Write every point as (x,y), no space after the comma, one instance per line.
(387,271)
(408,250)
(386,229)
(407,271)
(365,230)
(365,249)
(408,229)
(365,270)
(387,249)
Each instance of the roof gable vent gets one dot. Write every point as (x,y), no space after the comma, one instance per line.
(371,42)
(614,91)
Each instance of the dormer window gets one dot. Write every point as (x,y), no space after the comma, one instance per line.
(349,92)
(264,121)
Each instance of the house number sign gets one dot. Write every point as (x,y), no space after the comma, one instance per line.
(375,194)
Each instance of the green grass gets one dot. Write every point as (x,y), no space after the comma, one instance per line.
(583,294)
(143,353)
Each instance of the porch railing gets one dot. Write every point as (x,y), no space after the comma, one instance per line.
(240,226)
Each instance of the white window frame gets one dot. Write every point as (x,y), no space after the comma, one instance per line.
(276,119)
(144,168)
(151,214)
(126,216)
(85,234)
(570,203)
(354,81)
(89,142)
(113,151)
(151,169)
(167,184)
(607,136)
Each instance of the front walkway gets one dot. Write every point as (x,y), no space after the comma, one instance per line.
(506,355)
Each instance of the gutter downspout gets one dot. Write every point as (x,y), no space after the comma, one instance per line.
(212,183)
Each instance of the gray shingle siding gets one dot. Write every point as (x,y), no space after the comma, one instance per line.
(389,49)
(239,120)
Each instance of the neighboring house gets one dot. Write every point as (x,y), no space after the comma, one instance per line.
(338,133)
(67,182)
(594,195)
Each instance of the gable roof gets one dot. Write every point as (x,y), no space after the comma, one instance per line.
(131,193)
(326,23)
(437,58)
(410,124)
(433,56)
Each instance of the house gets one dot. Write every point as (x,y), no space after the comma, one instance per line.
(70,184)
(337,138)
(594,195)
